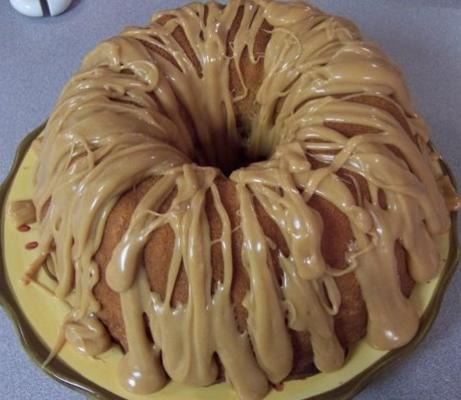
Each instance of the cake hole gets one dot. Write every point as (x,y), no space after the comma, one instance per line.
(235,155)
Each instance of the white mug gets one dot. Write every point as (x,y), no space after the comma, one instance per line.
(33,8)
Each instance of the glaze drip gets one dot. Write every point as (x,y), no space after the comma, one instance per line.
(22,212)
(148,106)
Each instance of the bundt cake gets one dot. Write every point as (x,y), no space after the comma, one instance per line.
(237,192)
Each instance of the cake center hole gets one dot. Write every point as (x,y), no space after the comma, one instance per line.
(242,160)
(236,156)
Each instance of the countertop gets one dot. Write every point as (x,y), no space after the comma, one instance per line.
(37,56)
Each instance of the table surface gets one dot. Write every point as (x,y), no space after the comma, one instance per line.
(39,55)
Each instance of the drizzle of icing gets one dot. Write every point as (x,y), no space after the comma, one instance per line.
(87,335)
(23,213)
(120,121)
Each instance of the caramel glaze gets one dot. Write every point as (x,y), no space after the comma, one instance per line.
(23,213)
(142,108)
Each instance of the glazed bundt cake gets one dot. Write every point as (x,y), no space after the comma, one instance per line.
(237,192)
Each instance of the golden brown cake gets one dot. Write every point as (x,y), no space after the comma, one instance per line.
(237,192)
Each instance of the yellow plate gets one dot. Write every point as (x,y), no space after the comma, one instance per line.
(38,315)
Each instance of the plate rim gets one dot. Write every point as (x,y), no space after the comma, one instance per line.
(66,375)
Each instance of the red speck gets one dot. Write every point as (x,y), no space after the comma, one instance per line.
(31,245)
(278,386)
(24,228)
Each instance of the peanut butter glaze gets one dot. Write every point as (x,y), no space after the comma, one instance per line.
(22,212)
(121,121)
